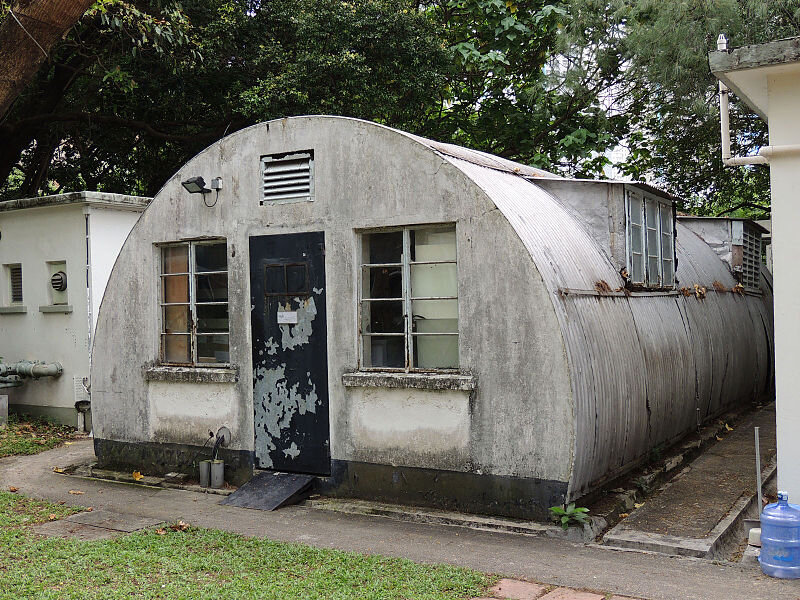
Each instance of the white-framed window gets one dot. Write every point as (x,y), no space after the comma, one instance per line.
(408,301)
(287,177)
(13,273)
(194,303)
(650,231)
(750,239)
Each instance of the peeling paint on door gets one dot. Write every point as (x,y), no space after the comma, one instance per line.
(290,396)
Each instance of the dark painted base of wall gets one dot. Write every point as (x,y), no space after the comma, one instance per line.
(159,459)
(514,497)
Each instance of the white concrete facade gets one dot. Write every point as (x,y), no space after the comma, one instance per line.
(79,233)
(767,78)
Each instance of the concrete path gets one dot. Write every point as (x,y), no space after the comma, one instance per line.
(691,514)
(544,560)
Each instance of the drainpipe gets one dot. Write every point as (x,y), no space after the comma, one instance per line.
(765,153)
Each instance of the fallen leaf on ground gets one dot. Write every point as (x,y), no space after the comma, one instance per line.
(137,476)
(719,439)
(638,504)
(728,427)
(58,470)
(52,516)
(68,443)
(623,515)
(75,492)
(12,489)
(89,509)
(61,502)
(161,532)
(179,526)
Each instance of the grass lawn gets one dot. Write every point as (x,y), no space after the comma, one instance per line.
(201,563)
(29,435)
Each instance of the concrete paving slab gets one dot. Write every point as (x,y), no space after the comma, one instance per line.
(517,590)
(550,561)
(568,594)
(692,513)
(125,523)
(77,531)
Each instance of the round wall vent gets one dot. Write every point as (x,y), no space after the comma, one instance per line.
(59,281)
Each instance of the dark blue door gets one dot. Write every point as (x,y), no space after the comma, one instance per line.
(290,360)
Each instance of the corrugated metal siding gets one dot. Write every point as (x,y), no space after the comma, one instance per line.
(641,366)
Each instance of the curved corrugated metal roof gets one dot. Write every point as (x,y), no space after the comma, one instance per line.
(645,368)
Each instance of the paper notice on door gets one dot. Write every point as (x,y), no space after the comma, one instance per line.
(287,317)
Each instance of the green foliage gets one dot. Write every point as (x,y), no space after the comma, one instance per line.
(29,435)
(200,563)
(569,515)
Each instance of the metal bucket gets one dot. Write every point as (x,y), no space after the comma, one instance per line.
(205,473)
(217,474)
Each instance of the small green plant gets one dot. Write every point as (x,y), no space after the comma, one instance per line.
(569,515)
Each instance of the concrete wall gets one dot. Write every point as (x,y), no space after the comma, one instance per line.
(784,129)
(33,237)
(517,423)
(108,230)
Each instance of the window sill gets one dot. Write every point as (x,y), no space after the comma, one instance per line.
(13,310)
(192,374)
(421,381)
(56,308)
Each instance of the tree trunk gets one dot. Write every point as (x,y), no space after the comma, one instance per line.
(27,33)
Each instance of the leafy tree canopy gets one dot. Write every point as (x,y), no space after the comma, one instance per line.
(138,88)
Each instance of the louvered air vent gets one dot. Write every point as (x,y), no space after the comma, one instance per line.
(15,277)
(751,257)
(287,177)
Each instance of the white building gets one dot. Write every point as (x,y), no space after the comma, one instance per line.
(767,78)
(46,316)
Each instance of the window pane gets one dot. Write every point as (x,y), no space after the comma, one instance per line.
(176,348)
(384,351)
(433,244)
(176,319)
(275,279)
(434,280)
(635,210)
(436,351)
(175,259)
(211,288)
(636,240)
(211,257)
(637,268)
(297,279)
(652,242)
(212,348)
(435,316)
(667,273)
(384,282)
(382,248)
(382,317)
(212,318)
(652,270)
(175,288)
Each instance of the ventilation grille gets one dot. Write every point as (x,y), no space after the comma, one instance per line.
(15,277)
(751,258)
(287,177)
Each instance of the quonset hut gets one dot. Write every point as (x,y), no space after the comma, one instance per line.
(414,321)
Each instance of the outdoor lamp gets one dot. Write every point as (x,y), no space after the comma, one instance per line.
(196,185)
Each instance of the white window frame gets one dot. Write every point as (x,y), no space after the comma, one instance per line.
(408,317)
(192,273)
(664,252)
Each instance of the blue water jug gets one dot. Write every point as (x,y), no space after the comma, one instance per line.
(780,539)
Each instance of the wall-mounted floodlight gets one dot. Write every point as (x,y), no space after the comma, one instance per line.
(196,185)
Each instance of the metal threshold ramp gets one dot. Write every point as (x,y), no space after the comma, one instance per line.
(270,490)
